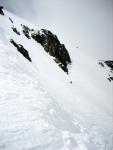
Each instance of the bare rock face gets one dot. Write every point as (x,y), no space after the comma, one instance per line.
(1,10)
(15,30)
(108,64)
(21,49)
(11,20)
(26,30)
(52,45)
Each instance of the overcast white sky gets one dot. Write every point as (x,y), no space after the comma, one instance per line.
(86,23)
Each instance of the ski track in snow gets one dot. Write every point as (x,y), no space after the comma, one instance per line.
(31,117)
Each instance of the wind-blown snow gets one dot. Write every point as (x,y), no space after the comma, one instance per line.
(40,109)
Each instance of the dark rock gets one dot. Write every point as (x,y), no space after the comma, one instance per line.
(15,30)
(102,64)
(64,68)
(21,49)
(109,63)
(110,79)
(14,43)
(11,20)
(52,45)
(1,10)
(26,30)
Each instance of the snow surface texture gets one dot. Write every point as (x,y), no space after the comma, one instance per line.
(40,109)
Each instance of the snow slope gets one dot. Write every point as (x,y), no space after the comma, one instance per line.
(40,109)
(87,24)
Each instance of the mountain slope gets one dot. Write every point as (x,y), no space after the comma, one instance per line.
(85,24)
(41,107)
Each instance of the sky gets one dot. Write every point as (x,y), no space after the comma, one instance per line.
(87,24)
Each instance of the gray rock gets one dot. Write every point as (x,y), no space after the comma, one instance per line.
(52,45)
(21,49)
(1,10)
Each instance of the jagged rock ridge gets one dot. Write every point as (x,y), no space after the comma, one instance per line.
(1,10)
(52,45)
(21,49)
(26,30)
(109,64)
(15,30)
(49,42)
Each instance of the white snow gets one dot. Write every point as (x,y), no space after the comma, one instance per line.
(40,109)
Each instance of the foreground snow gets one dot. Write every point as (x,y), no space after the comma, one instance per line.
(40,109)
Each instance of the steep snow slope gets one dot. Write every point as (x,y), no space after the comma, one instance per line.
(87,24)
(40,109)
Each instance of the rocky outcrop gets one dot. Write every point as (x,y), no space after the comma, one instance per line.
(52,45)
(101,64)
(1,10)
(21,49)
(11,20)
(15,30)
(110,78)
(108,64)
(26,31)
